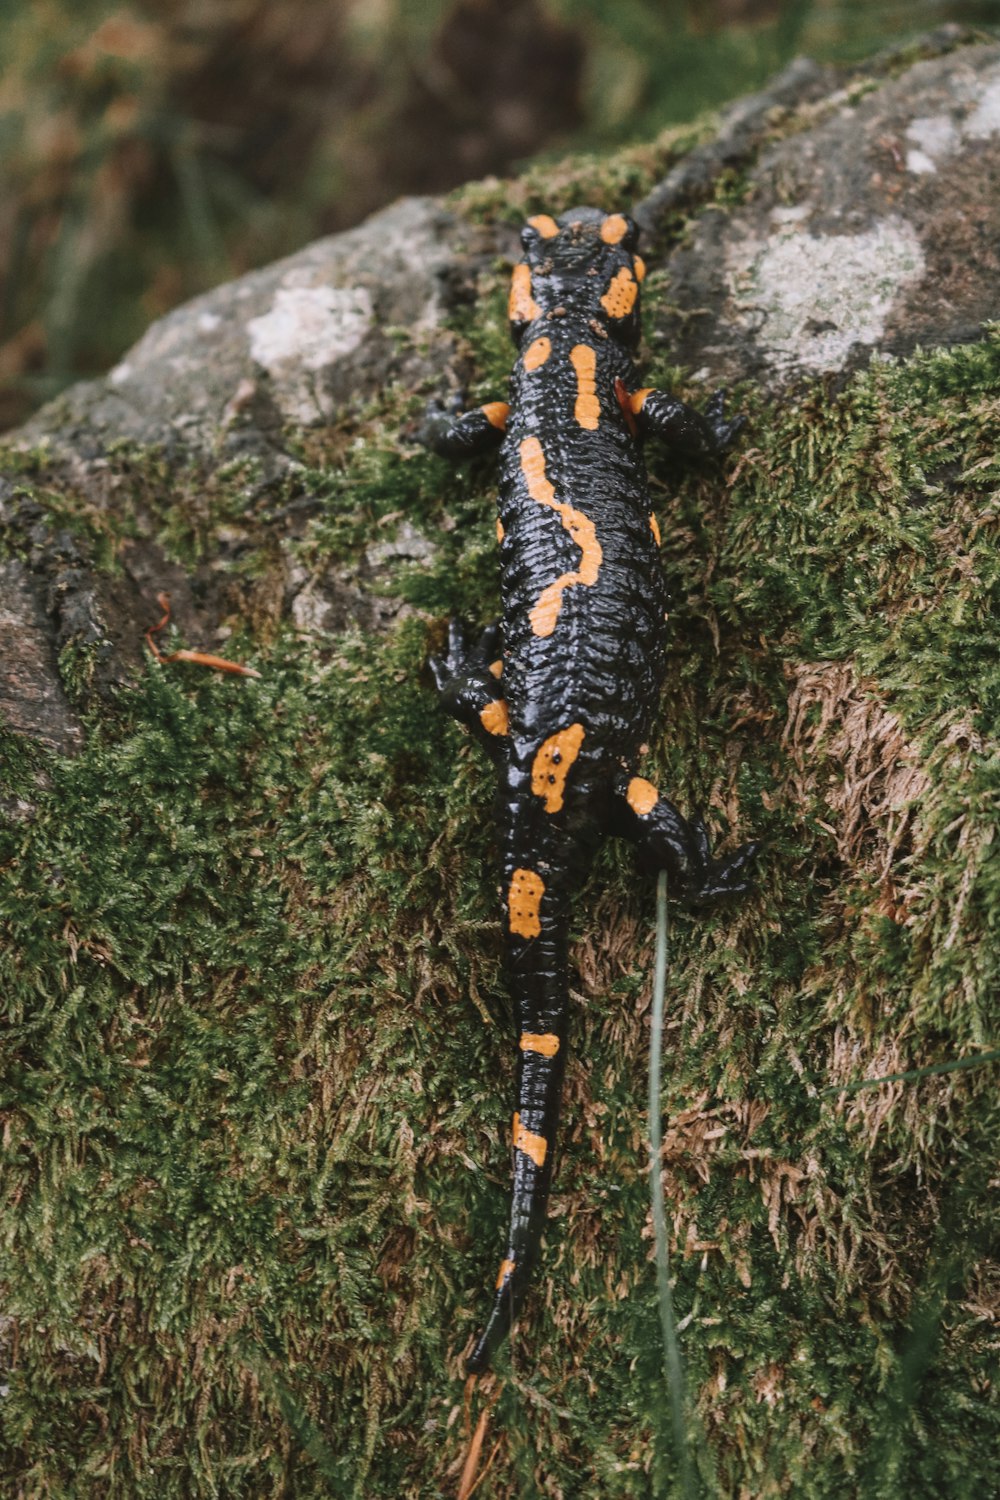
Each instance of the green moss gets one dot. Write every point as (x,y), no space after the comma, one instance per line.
(731,188)
(257,1078)
(553,186)
(78,664)
(42,515)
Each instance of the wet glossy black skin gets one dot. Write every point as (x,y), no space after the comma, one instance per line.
(600,665)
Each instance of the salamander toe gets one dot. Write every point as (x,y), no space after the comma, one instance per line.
(716,881)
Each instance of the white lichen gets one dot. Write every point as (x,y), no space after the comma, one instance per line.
(306,329)
(933,137)
(975,116)
(985,118)
(808,298)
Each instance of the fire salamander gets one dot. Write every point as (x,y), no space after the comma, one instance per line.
(563,690)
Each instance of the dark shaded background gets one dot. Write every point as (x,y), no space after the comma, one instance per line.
(148,151)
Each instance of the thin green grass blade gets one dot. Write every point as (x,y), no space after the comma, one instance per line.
(673,1369)
(263,1357)
(979,1060)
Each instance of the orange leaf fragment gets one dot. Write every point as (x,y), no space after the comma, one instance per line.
(199,658)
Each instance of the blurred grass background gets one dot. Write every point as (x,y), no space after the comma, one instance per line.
(149,151)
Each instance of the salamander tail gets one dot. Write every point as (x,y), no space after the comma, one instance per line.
(538,980)
(529,1204)
(505,1308)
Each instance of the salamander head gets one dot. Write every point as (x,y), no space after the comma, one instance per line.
(582,262)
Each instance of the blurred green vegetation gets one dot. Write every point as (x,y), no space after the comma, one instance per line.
(148,151)
(152,150)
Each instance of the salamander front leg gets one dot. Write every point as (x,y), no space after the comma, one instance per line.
(693,433)
(457,434)
(468,680)
(668,841)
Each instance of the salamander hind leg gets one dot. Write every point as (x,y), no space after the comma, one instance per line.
(668,841)
(468,681)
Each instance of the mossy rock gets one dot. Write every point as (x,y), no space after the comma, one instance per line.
(258,1071)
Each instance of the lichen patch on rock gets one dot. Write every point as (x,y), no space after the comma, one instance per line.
(813,297)
(310,325)
(985,118)
(305,328)
(934,138)
(772,280)
(315,322)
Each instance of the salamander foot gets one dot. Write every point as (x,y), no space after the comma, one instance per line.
(711,882)
(468,682)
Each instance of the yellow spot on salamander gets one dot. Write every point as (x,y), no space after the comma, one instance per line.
(588,408)
(639,267)
(545,1043)
(546,612)
(506,1269)
(641,796)
(654,527)
(537,353)
(532,1145)
(496,413)
(637,400)
(552,763)
(614,228)
(521,306)
(500,531)
(545,224)
(494,717)
(496,667)
(533,469)
(523,902)
(619,299)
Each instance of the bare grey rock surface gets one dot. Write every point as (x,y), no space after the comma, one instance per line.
(830,219)
(872,226)
(232,373)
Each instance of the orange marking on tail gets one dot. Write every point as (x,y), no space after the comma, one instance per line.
(496,667)
(533,469)
(545,1043)
(506,1269)
(654,527)
(500,530)
(524,901)
(535,1146)
(537,353)
(552,763)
